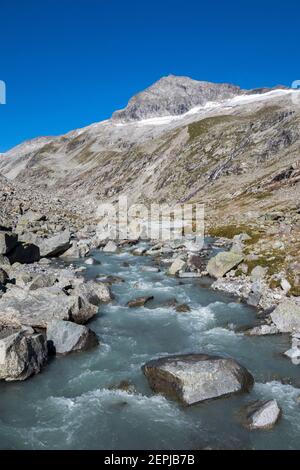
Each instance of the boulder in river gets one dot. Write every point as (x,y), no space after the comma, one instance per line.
(286,316)
(66,337)
(110,247)
(139,302)
(262,415)
(21,355)
(262,330)
(177,265)
(95,292)
(194,378)
(223,262)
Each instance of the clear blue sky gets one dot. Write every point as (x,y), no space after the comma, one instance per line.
(70,63)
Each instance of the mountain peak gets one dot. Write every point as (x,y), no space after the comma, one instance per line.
(174,95)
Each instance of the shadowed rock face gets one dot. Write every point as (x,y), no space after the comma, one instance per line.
(194,378)
(174,96)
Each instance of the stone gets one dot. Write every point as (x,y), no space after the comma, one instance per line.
(36,308)
(95,292)
(24,253)
(258,273)
(194,378)
(66,337)
(182,308)
(110,247)
(42,280)
(189,275)
(293,353)
(110,279)
(139,251)
(90,261)
(178,265)
(150,269)
(8,241)
(55,245)
(197,262)
(285,285)
(241,237)
(262,415)
(21,355)
(139,302)
(286,316)
(255,294)
(125,386)
(223,262)
(3,276)
(262,330)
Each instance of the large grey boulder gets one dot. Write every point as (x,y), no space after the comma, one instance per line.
(223,262)
(55,245)
(286,316)
(21,355)
(36,308)
(67,337)
(94,292)
(262,415)
(8,241)
(194,378)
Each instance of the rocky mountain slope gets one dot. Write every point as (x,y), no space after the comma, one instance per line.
(180,140)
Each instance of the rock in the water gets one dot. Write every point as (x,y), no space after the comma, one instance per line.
(223,262)
(293,353)
(150,269)
(110,247)
(182,308)
(125,386)
(194,378)
(8,241)
(67,337)
(286,316)
(21,355)
(262,330)
(263,415)
(178,265)
(95,292)
(139,302)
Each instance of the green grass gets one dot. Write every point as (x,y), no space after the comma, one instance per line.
(196,129)
(229,231)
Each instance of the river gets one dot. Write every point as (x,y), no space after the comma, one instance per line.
(71,404)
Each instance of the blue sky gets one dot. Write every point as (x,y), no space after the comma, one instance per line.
(68,63)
